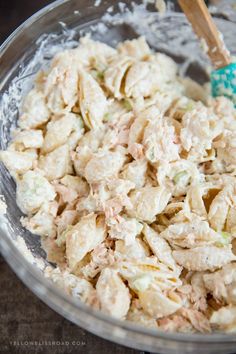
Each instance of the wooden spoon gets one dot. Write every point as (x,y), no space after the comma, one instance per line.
(223,78)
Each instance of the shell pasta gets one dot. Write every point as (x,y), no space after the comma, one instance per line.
(131,183)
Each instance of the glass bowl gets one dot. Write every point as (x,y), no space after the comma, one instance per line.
(30,47)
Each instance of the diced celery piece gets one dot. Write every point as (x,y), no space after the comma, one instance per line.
(127,104)
(178,176)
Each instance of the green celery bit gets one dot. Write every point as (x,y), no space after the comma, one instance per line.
(107,117)
(226,237)
(97,75)
(189,107)
(179,175)
(100,75)
(224,240)
(127,104)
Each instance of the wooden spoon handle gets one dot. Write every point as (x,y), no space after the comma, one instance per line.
(198,15)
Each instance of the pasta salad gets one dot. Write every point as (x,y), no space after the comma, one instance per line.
(127,172)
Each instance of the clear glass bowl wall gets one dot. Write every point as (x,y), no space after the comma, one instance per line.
(30,47)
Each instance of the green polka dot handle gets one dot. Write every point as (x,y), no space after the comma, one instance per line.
(223,82)
(223,78)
